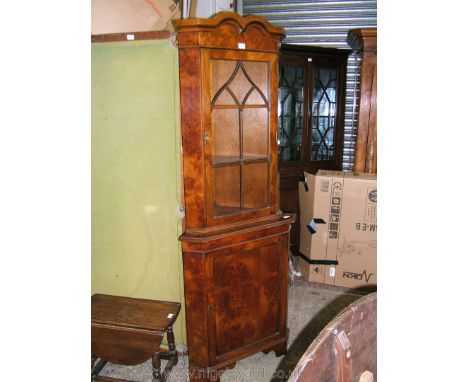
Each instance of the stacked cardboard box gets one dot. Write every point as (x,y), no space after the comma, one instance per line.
(339,228)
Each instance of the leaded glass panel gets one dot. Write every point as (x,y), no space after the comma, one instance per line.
(323,114)
(290,113)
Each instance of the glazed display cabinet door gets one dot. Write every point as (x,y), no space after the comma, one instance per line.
(247,296)
(312,85)
(311,111)
(238,138)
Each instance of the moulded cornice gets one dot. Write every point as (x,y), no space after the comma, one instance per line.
(185,25)
(364,39)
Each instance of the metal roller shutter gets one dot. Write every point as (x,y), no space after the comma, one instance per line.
(323,23)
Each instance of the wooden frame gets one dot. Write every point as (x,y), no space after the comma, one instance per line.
(135,36)
(364,42)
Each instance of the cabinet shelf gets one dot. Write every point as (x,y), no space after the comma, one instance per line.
(226,160)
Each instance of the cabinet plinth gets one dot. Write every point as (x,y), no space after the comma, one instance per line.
(235,246)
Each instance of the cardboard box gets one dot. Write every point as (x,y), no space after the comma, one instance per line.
(339,227)
(121,16)
(312,272)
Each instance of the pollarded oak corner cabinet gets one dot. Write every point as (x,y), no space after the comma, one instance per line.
(235,244)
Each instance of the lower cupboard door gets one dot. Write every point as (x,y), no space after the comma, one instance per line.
(247,294)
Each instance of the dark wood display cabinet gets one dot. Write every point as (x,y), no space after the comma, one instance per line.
(235,244)
(312,85)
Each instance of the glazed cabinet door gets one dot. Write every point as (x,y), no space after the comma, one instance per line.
(311,106)
(239,134)
(247,287)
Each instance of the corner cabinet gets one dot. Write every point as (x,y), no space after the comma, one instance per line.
(235,244)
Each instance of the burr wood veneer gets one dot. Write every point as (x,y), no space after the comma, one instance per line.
(235,244)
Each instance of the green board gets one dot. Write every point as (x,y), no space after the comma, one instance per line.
(136,172)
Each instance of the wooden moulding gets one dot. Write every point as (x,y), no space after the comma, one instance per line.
(363,40)
(149,35)
(227,30)
(202,234)
(226,237)
(191,24)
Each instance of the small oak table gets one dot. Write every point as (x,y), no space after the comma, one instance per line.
(129,331)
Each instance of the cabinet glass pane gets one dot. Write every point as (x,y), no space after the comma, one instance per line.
(240,125)
(226,140)
(258,75)
(255,133)
(221,70)
(323,114)
(255,185)
(290,113)
(227,190)
(239,83)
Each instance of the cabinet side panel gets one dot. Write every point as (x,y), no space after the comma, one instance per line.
(190,101)
(371,165)
(195,306)
(367,112)
(283,281)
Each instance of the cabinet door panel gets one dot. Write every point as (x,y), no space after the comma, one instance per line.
(221,70)
(239,123)
(246,296)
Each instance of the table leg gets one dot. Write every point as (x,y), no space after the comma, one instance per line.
(156,367)
(172,347)
(96,369)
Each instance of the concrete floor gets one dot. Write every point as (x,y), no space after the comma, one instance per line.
(310,309)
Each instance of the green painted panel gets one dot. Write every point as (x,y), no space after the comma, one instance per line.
(136,172)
